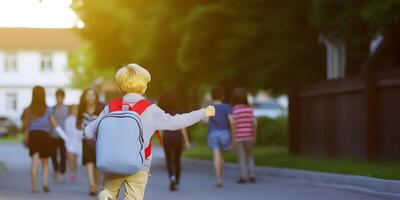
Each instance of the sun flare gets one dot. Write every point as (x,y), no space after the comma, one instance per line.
(38,14)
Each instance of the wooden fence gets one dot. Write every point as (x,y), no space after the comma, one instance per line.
(356,117)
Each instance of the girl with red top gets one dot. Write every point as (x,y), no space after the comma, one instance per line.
(244,134)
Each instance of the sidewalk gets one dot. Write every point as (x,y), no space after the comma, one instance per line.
(374,186)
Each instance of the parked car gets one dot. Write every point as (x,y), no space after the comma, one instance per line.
(7,127)
(268,109)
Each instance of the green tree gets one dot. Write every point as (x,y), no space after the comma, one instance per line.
(120,32)
(356,22)
(195,44)
(383,16)
(257,44)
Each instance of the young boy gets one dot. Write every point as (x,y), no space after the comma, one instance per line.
(59,154)
(219,139)
(132,81)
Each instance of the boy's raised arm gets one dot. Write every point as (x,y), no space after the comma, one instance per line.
(165,121)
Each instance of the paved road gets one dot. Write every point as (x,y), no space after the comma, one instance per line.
(197,184)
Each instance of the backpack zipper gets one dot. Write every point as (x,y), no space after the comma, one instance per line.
(141,139)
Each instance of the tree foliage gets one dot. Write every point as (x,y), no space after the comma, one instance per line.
(191,45)
(257,44)
(356,22)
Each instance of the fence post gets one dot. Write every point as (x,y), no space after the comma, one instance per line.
(373,116)
(294,128)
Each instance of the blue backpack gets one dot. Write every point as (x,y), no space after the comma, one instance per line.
(120,143)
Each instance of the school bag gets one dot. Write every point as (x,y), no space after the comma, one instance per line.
(120,144)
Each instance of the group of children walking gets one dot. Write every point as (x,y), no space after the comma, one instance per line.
(230,129)
(57,133)
(71,130)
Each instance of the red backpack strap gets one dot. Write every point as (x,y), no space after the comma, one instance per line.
(147,150)
(141,106)
(115,105)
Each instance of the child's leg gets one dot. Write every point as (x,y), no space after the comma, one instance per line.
(177,160)
(168,157)
(224,143)
(248,148)
(91,177)
(111,186)
(241,159)
(97,175)
(73,165)
(34,171)
(217,165)
(53,155)
(45,171)
(135,185)
(63,156)
(221,162)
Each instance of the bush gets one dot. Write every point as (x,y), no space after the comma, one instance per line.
(272,132)
(198,133)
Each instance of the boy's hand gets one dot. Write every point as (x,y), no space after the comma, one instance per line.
(210,111)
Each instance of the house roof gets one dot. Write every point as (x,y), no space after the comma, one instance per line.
(38,38)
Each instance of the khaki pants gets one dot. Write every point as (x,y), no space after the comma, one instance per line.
(135,186)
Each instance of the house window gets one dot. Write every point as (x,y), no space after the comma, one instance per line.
(46,63)
(10,62)
(11,102)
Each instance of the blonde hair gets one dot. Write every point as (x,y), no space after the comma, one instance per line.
(132,79)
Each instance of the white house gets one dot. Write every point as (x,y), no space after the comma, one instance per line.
(30,57)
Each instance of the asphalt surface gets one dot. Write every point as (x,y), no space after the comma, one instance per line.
(197,183)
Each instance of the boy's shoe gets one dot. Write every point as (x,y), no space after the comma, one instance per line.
(172,186)
(252,179)
(219,185)
(241,181)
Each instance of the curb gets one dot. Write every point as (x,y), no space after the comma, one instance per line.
(381,187)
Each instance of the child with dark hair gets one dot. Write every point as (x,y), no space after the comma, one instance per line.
(88,111)
(244,131)
(173,141)
(219,136)
(38,122)
(59,154)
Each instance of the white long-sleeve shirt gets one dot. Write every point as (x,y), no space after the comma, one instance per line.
(74,135)
(153,119)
